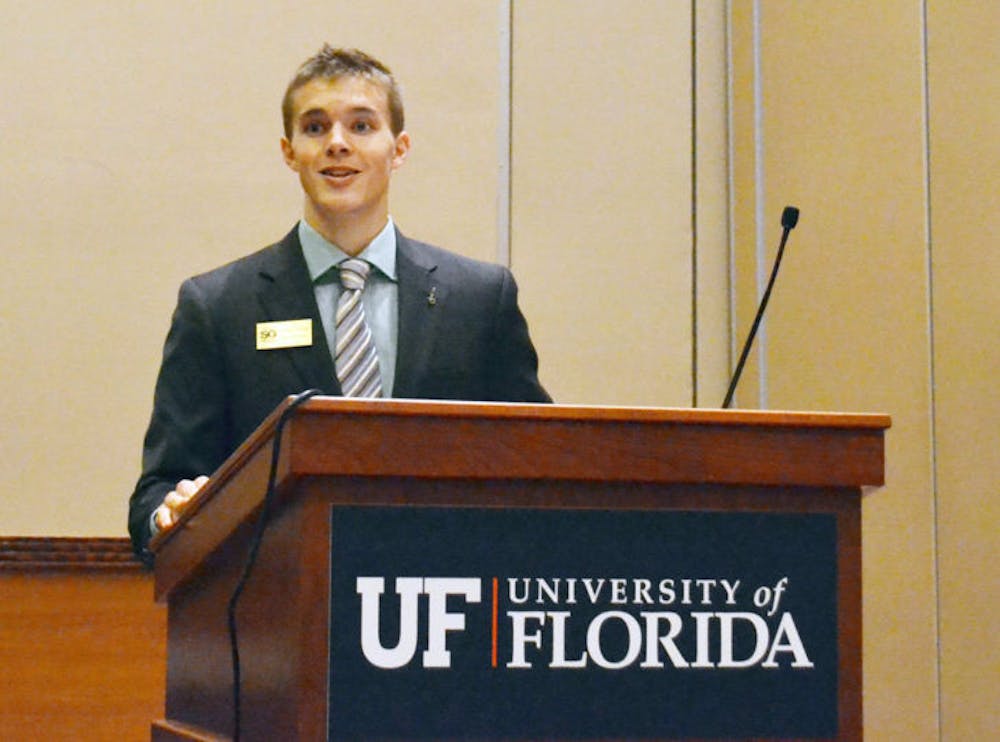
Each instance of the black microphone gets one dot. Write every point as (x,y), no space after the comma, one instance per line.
(789,218)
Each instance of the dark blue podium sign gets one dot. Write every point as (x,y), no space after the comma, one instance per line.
(581,624)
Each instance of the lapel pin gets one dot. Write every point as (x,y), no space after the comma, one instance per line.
(432,296)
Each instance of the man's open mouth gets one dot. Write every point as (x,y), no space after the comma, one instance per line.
(339,172)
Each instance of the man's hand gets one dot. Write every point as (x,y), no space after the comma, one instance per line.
(176,501)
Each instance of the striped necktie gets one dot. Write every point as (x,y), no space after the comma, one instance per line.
(356,361)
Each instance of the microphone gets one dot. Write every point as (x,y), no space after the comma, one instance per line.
(789,218)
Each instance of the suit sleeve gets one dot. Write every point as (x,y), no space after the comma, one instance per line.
(513,367)
(189,430)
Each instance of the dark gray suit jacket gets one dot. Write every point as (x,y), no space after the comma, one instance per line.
(214,387)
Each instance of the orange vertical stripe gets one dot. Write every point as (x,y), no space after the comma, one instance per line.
(495,621)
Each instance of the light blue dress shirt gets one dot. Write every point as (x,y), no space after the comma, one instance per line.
(380,297)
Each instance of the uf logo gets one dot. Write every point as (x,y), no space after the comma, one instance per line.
(439,620)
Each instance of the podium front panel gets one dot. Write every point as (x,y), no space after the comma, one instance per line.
(530,623)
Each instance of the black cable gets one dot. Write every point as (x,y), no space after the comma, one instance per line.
(255,542)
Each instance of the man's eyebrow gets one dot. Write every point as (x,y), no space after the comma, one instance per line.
(363,110)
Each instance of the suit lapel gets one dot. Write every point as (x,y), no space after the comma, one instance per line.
(419,307)
(285,292)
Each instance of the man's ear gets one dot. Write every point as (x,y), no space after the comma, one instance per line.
(288,153)
(402,150)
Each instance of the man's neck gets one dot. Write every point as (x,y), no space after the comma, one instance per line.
(350,235)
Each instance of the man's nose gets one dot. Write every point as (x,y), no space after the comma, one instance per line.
(338,141)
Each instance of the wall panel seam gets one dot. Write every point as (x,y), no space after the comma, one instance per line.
(694,204)
(505,129)
(759,196)
(731,185)
(931,369)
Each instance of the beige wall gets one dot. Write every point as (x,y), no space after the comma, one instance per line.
(879,121)
(601,205)
(964,120)
(141,147)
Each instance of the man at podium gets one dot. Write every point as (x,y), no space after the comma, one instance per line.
(344,302)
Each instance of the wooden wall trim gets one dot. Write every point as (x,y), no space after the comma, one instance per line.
(35,553)
(82,644)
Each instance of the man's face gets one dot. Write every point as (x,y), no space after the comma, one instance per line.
(344,151)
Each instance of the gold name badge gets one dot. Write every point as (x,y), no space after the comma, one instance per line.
(293,333)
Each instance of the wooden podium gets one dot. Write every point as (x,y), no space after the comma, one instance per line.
(429,457)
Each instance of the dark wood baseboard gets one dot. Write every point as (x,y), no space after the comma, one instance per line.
(24,554)
(82,643)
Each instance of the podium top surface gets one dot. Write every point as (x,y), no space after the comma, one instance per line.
(336,438)
(348,437)
(518,411)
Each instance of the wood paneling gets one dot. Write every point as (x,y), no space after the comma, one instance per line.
(82,645)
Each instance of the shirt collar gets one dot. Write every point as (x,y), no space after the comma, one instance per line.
(321,255)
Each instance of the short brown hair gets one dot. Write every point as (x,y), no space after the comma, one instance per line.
(331,63)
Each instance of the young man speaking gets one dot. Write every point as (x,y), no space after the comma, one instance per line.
(344,303)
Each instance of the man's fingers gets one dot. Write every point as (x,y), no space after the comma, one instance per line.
(186,488)
(164,517)
(176,500)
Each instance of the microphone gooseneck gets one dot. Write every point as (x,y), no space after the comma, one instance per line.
(789,218)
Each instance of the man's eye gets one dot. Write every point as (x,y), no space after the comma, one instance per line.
(313,127)
(362,126)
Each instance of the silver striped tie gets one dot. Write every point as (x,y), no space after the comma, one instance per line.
(356,361)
